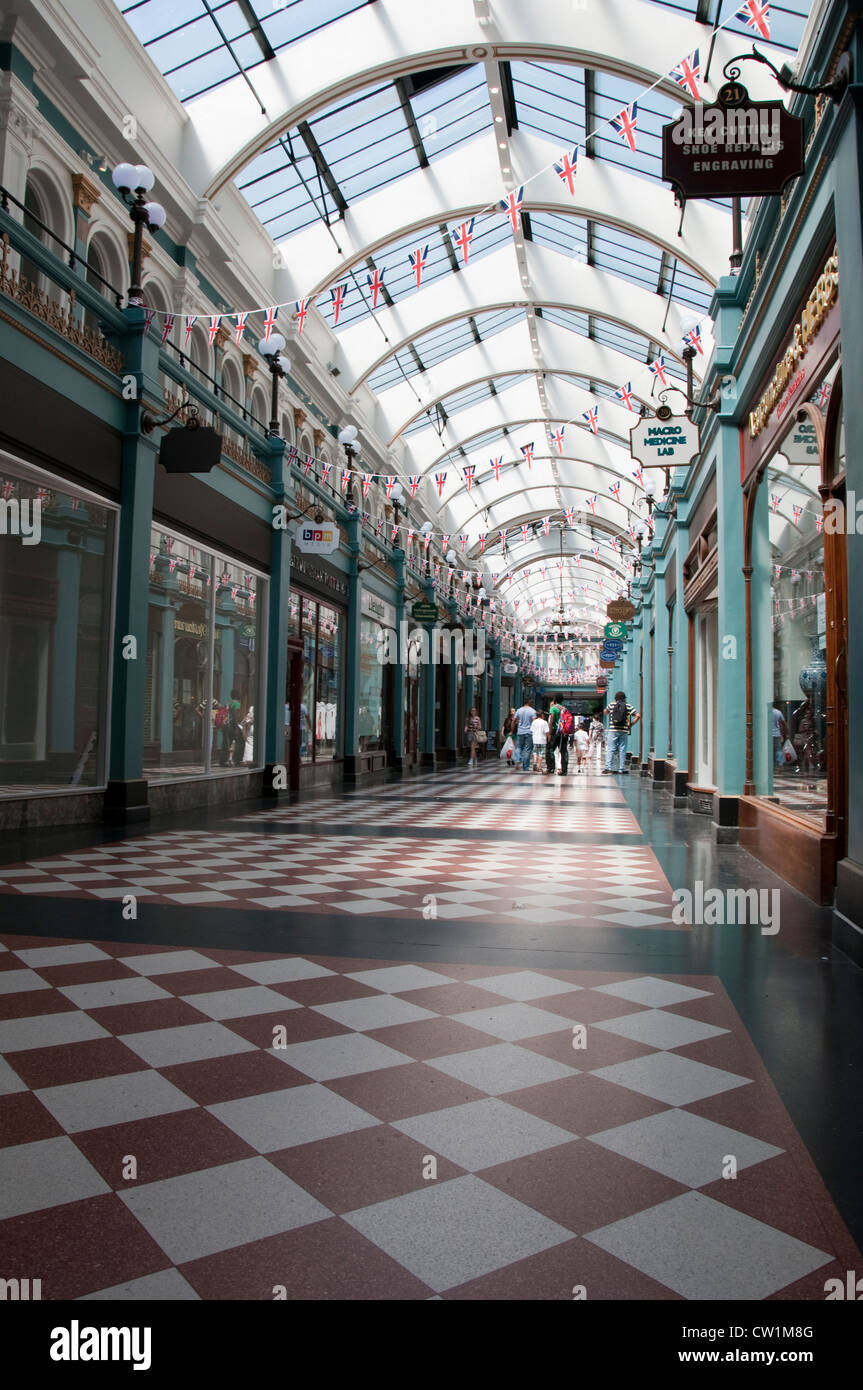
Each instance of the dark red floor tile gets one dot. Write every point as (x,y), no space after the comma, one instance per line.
(228,1078)
(397,1092)
(323,989)
(85,972)
(357,1170)
(584,1104)
(557,1273)
(201,981)
(24,1119)
(431,1037)
(164,1146)
(32,1003)
(586,1006)
(299,1025)
(81,1061)
(455,998)
(146,1016)
(601,1049)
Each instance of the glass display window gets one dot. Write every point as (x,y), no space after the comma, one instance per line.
(320,627)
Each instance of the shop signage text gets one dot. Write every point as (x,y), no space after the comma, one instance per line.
(732,147)
(424,612)
(510,668)
(790,373)
(319,575)
(664,443)
(615,630)
(620,610)
(316,540)
(378,608)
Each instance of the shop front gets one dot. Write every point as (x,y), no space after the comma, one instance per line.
(314,697)
(793,814)
(376,684)
(701,604)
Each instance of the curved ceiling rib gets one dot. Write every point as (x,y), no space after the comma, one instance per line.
(229,126)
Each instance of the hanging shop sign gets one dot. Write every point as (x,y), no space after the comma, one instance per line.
(612,646)
(313,539)
(317,576)
(620,610)
(671,443)
(800,445)
(192,448)
(424,612)
(732,147)
(606,664)
(377,608)
(616,630)
(510,668)
(799,369)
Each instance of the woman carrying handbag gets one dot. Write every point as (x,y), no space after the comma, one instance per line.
(472,729)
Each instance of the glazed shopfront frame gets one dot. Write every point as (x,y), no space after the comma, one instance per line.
(792,464)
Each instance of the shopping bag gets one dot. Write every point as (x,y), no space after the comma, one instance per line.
(557,760)
(789,752)
(508,747)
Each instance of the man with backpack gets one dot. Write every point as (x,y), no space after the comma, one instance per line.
(565,726)
(553,722)
(621,719)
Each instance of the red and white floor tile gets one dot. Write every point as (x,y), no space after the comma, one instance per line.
(212,1124)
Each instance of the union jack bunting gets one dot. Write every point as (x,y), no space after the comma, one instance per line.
(346,473)
(427,540)
(376,284)
(557,438)
(389,482)
(546,520)
(687,74)
(819,523)
(638,475)
(503,535)
(469,471)
(293,455)
(625,124)
(365,519)
(325,471)
(567,167)
(394,530)
(592,501)
(414,481)
(595,552)
(151,314)
(693,339)
(191,320)
(483,537)
(379,525)
(524,531)
(822,395)
(570,516)
(496,465)
(367,482)
(511,205)
(418,260)
(757,16)
(240,327)
(614,489)
(411,534)
(338,295)
(463,238)
(657,369)
(215,322)
(167,327)
(592,418)
(463,539)
(578,560)
(270,321)
(440,479)
(444,540)
(798,512)
(774,500)
(624,395)
(310,458)
(300,315)
(527,450)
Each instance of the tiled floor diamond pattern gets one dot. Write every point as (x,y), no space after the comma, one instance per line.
(615,886)
(368,1129)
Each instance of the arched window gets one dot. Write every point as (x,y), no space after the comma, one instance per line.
(34,214)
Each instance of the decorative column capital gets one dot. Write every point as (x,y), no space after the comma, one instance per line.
(250,365)
(85,194)
(223,337)
(300,417)
(319,437)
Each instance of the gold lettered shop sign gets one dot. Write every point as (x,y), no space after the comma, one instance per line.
(798,372)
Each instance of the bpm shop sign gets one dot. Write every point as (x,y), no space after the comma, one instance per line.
(312,539)
(734,147)
(671,443)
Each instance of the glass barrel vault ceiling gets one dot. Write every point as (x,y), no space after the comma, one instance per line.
(317,170)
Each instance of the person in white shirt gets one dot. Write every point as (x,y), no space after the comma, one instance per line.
(539,732)
(582,742)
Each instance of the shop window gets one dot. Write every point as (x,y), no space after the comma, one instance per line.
(371,687)
(328,677)
(319,627)
(56,574)
(203,661)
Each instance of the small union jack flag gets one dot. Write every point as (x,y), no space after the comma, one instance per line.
(463,238)
(511,205)
(625,124)
(215,322)
(592,418)
(367,482)
(822,395)
(483,537)
(819,523)
(527,450)
(379,525)
(390,482)
(614,489)
(798,512)
(557,438)
(300,315)
(440,479)
(325,471)
(624,395)
(346,473)
(310,458)
(427,540)
(191,320)
(293,455)
(496,465)
(757,16)
(657,369)
(570,516)
(591,502)
(693,339)
(240,326)
(167,327)
(376,284)
(546,521)
(414,480)
(418,260)
(638,475)
(774,500)
(463,540)
(444,540)
(503,535)
(393,533)
(411,534)
(567,167)
(687,74)
(270,321)
(338,295)
(469,472)
(151,314)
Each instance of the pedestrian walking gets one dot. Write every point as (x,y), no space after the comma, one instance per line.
(539,732)
(471,729)
(524,717)
(582,744)
(621,719)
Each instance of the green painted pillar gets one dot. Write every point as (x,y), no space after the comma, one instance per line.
(645,673)
(353,651)
(495,690)
(660,663)
(126,796)
(680,641)
(64,676)
(731,662)
(396,750)
(762,647)
(278,617)
(428,756)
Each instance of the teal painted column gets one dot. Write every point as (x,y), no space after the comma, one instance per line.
(660,649)
(762,646)
(453,740)
(468,674)
(680,640)
(64,681)
(518,690)
(126,796)
(731,662)
(645,675)
(495,690)
(397,749)
(428,755)
(278,618)
(353,651)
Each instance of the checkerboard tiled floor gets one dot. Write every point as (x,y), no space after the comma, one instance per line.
(616,886)
(214,1124)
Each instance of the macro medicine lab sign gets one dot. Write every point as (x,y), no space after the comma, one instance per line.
(671,443)
(734,147)
(312,539)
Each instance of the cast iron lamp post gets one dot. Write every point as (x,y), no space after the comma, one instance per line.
(133,181)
